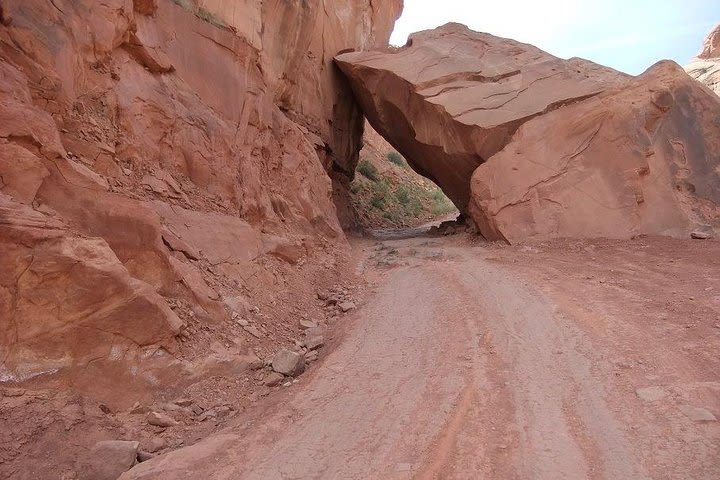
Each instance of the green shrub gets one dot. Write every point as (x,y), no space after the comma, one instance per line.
(201,13)
(377,201)
(402,195)
(396,158)
(382,187)
(186,4)
(210,18)
(390,216)
(368,170)
(441,204)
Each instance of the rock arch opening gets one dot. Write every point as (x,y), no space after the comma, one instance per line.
(387,193)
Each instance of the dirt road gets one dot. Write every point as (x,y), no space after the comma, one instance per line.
(471,361)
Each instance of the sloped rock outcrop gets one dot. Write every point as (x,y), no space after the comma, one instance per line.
(706,66)
(156,153)
(532,146)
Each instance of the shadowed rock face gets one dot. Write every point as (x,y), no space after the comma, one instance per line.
(532,146)
(706,66)
(144,143)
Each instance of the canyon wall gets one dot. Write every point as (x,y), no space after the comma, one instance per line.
(157,159)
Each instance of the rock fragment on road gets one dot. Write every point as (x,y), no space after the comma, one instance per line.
(288,363)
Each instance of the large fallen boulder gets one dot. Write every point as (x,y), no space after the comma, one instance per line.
(532,146)
(643,159)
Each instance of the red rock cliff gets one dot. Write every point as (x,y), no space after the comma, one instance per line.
(155,150)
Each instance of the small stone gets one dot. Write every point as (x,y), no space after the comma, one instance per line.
(242,322)
(347,306)
(256,364)
(104,408)
(288,363)
(183,402)
(311,356)
(160,420)
(322,295)
(143,456)
(139,409)
(155,444)
(109,459)
(274,379)
(651,394)
(170,407)
(697,414)
(253,331)
(700,235)
(314,343)
(196,409)
(13,392)
(209,414)
(238,304)
(305,324)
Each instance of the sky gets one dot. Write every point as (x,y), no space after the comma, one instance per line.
(628,35)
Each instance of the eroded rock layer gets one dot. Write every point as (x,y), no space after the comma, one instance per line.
(156,153)
(532,146)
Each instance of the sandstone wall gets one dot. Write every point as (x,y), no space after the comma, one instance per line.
(155,150)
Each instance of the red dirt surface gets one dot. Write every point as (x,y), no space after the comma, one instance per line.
(566,359)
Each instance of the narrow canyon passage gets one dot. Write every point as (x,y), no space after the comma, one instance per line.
(461,366)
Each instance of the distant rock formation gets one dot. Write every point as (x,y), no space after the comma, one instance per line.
(706,66)
(533,146)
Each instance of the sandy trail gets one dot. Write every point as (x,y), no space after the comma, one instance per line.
(460,367)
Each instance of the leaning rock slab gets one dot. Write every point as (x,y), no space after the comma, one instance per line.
(452,98)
